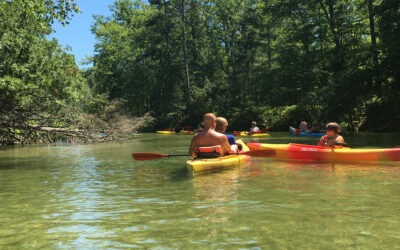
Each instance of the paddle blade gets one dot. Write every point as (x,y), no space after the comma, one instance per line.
(260,153)
(147,156)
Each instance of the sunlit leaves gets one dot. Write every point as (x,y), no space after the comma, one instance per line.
(37,77)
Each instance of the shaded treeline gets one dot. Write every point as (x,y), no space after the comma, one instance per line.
(275,61)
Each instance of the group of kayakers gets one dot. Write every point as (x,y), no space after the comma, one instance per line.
(303,127)
(213,134)
(330,139)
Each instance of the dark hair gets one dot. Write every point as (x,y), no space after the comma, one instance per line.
(333,126)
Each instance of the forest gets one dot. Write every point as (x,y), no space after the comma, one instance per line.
(164,63)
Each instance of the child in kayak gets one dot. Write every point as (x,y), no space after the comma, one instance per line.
(221,125)
(332,137)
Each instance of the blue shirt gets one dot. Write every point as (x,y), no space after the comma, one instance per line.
(231,139)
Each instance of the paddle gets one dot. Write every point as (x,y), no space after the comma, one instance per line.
(154,156)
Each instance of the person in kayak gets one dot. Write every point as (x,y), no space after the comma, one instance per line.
(332,137)
(315,127)
(254,129)
(221,125)
(303,127)
(209,137)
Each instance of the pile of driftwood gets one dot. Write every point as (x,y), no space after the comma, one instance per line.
(38,134)
(87,129)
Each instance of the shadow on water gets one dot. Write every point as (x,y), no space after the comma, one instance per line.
(9,165)
(183,174)
(179,174)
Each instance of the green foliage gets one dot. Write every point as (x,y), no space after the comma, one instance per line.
(380,111)
(272,61)
(278,118)
(40,84)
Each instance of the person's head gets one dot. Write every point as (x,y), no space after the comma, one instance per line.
(253,123)
(209,120)
(221,124)
(332,128)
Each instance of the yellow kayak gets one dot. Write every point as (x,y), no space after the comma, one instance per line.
(223,162)
(244,133)
(165,132)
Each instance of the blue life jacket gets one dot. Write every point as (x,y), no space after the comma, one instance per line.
(231,139)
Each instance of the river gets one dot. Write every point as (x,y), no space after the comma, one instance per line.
(95,196)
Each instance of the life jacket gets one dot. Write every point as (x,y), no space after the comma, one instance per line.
(324,143)
(209,152)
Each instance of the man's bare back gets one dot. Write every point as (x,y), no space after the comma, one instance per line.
(209,137)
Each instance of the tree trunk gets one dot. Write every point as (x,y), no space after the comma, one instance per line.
(371,17)
(330,17)
(166,26)
(184,45)
(269,52)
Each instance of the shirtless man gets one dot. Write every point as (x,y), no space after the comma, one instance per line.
(208,136)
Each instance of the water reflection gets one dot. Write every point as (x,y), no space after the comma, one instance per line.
(214,201)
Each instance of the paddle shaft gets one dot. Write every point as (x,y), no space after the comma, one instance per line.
(153,156)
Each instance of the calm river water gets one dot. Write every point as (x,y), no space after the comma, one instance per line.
(96,197)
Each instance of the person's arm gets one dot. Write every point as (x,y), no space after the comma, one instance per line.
(192,147)
(225,144)
(322,141)
(339,140)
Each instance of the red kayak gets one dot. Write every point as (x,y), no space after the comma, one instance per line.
(317,153)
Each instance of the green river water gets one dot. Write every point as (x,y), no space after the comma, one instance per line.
(95,196)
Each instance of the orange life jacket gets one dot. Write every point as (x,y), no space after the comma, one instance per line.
(209,152)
